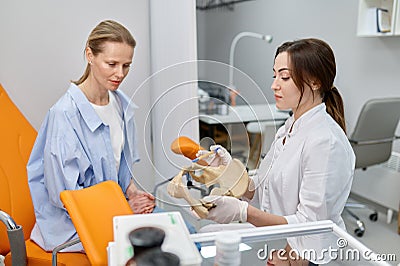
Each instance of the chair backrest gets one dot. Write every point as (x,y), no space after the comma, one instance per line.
(373,135)
(92,210)
(16,141)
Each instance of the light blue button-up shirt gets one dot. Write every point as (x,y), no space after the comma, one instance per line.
(73,151)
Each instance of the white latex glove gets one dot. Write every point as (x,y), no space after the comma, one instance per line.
(221,157)
(228,209)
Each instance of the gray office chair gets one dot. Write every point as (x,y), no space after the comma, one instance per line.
(372,141)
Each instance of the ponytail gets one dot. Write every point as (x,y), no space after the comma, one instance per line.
(312,60)
(84,76)
(334,106)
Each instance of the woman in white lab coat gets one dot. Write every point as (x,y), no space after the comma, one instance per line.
(307,174)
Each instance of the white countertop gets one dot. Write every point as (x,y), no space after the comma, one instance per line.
(246,113)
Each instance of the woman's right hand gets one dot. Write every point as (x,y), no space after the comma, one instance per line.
(220,157)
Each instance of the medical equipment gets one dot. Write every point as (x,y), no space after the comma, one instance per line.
(230,180)
(204,156)
(177,238)
(186,147)
(146,243)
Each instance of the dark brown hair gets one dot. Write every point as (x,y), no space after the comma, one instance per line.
(105,31)
(313,60)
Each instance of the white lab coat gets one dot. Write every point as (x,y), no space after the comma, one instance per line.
(309,178)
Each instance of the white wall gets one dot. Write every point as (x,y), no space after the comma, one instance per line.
(42,47)
(173,82)
(41,50)
(366,67)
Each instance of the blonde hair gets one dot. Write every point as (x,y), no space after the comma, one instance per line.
(105,31)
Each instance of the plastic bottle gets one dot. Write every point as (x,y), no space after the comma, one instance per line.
(227,249)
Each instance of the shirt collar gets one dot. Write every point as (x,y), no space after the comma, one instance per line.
(128,107)
(303,118)
(88,113)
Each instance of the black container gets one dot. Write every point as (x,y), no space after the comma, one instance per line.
(144,238)
(146,243)
(156,257)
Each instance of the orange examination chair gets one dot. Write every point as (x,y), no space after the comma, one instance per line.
(16,209)
(92,210)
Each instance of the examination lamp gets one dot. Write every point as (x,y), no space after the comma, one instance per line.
(267,38)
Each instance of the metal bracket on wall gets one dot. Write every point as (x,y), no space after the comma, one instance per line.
(212,4)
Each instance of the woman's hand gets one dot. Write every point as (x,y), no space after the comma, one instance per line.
(220,157)
(227,209)
(140,201)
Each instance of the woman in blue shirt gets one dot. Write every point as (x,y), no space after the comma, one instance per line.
(87,137)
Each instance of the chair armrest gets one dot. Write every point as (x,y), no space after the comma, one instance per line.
(15,238)
(8,221)
(370,142)
(17,241)
(61,247)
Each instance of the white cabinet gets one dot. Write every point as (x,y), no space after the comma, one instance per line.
(370,22)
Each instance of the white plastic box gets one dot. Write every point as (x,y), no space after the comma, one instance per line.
(177,238)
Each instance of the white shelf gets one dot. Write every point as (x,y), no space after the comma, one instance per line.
(367,17)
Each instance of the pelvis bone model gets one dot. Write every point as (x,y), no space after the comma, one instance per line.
(231,180)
